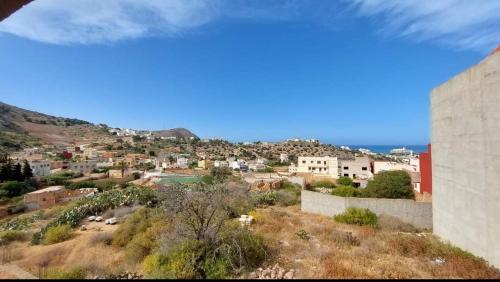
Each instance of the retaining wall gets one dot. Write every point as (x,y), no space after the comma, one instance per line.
(419,214)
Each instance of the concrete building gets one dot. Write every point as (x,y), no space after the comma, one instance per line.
(465,137)
(284,158)
(205,164)
(292,168)
(379,166)
(40,168)
(357,168)
(324,166)
(47,197)
(83,167)
(221,164)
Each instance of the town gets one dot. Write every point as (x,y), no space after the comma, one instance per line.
(223,140)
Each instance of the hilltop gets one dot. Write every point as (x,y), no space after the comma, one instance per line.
(20,128)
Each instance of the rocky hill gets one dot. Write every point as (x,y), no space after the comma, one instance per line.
(20,128)
(175,132)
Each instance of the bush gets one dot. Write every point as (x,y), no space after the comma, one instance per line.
(238,249)
(346,191)
(207,179)
(346,181)
(286,198)
(358,217)
(390,184)
(302,234)
(58,234)
(324,184)
(9,236)
(101,238)
(267,198)
(74,273)
(12,189)
(134,224)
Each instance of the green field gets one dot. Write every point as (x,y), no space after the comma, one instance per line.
(179,179)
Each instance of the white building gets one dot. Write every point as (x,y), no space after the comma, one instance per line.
(292,168)
(379,166)
(327,166)
(40,168)
(284,158)
(83,167)
(182,162)
(221,164)
(357,168)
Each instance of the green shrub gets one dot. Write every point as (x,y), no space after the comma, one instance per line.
(238,249)
(74,273)
(58,234)
(207,179)
(134,224)
(346,181)
(324,184)
(346,191)
(267,198)
(9,236)
(390,184)
(155,267)
(357,216)
(287,198)
(302,234)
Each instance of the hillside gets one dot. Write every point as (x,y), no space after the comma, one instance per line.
(20,128)
(175,132)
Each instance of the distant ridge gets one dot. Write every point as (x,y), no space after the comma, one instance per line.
(21,128)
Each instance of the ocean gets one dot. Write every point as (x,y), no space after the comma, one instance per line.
(385,149)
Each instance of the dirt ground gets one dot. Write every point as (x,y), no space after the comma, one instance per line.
(334,250)
(80,250)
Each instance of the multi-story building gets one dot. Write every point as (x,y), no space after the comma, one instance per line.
(221,164)
(326,166)
(205,164)
(40,168)
(379,166)
(284,158)
(83,167)
(357,168)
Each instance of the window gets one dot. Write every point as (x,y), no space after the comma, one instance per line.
(303,162)
(43,199)
(325,162)
(346,167)
(364,168)
(346,174)
(319,162)
(312,162)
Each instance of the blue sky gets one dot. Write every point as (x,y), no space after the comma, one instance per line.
(346,72)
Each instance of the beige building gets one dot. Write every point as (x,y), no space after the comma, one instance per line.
(83,167)
(357,168)
(323,166)
(379,166)
(205,164)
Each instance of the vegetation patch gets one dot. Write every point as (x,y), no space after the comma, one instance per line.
(357,216)
(56,234)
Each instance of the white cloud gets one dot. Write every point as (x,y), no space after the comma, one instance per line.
(465,24)
(97,21)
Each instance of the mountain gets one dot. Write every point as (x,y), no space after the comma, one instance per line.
(20,128)
(175,132)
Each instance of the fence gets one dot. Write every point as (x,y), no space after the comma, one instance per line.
(419,214)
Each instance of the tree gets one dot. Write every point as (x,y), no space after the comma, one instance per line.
(346,181)
(17,173)
(6,172)
(27,172)
(390,184)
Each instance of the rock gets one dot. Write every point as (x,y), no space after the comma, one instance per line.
(288,275)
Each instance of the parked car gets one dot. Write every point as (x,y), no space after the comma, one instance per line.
(91,218)
(99,219)
(111,221)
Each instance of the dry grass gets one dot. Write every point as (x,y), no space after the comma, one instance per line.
(334,250)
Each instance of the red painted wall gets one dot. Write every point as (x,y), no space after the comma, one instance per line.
(426,171)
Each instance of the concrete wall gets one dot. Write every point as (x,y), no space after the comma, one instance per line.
(466,159)
(416,213)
